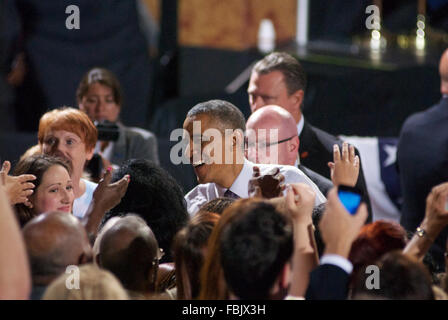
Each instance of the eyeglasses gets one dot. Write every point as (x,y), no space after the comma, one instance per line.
(264,144)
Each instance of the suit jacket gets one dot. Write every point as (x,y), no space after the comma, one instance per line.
(422,158)
(316,150)
(320,181)
(134,143)
(327,282)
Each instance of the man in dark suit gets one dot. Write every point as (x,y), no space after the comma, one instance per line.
(264,146)
(280,79)
(423,160)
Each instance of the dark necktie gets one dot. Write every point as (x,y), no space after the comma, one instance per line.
(230,194)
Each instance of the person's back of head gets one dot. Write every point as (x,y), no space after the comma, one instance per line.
(374,240)
(255,251)
(94,284)
(154,195)
(130,251)
(188,249)
(400,277)
(54,241)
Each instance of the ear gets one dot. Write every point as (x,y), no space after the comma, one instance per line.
(238,137)
(293,144)
(282,281)
(297,98)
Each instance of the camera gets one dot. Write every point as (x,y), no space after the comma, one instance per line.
(107,131)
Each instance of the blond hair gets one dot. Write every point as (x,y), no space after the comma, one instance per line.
(94,284)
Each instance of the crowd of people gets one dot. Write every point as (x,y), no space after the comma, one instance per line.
(266,220)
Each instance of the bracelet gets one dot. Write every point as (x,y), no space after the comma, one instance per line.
(423,234)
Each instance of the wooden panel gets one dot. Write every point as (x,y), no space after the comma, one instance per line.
(154,6)
(233,24)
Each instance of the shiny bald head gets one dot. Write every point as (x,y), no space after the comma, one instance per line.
(269,127)
(443,70)
(130,251)
(55,240)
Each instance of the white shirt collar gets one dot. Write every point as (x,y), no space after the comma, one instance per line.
(241,183)
(300,125)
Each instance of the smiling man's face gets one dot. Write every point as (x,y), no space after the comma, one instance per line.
(206,150)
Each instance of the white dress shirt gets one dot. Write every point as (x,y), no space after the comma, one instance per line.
(300,125)
(203,193)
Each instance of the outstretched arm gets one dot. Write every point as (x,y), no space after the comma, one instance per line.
(435,220)
(15,278)
(106,196)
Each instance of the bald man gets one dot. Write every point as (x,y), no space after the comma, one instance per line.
(423,160)
(54,241)
(130,251)
(281,148)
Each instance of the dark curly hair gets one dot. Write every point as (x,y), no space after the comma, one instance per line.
(155,196)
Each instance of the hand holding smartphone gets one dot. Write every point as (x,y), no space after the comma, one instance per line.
(351,198)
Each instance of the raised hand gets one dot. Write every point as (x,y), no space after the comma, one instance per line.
(17,188)
(338,227)
(266,186)
(300,202)
(107,195)
(345,168)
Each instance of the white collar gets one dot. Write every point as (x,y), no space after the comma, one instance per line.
(300,125)
(241,184)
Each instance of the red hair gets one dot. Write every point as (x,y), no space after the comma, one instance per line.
(374,240)
(68,119)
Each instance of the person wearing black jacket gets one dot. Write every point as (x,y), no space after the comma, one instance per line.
(280,79)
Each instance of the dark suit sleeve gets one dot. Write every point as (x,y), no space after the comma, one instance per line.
(327,282)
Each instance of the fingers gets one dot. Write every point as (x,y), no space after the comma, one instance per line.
(345,156)
(27,185)
(257,192)
(280,177)
(352,154)
(291,199)
(282,187)
(256,172)
(361,215)
(336,154)
(26,177)
(356,161)
(6,167)
(107,177)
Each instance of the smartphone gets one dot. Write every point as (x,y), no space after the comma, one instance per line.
(351,198)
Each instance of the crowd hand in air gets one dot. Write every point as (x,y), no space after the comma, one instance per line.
(17,188)
(269,185)
(345,167)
